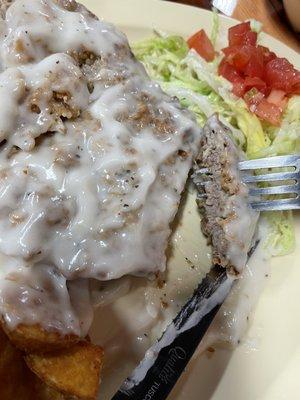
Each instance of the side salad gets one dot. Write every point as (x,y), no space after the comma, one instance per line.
(255,92)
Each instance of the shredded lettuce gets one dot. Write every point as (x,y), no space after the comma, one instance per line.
(286,138)
(198,86)
(215,27)
(161,55)
(256,26)
(250,125)
(195,82)
(280,237)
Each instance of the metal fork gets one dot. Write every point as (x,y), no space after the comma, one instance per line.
(289,182)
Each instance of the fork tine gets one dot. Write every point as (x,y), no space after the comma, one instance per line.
(292,185)
(275,190)
(282,204)
(277,176)
(271,162)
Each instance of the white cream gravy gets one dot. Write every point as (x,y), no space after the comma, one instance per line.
(94,197)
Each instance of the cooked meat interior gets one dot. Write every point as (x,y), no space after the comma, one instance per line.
(228,221)
(94,158)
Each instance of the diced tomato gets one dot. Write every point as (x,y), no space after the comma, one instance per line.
(241,59)
(260,106)
(239,56)
(264,80)
(267,54)
(268,112)
(228,71)
(255,66)
(231,53)
(231,74)
(253,97)
(241,34)
(296,88)
(238,88)
(230,50)
(202,44)
(278,97)
(250,38)
(280,74)
(255,82)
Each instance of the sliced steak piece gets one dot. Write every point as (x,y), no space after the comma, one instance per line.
(228,222)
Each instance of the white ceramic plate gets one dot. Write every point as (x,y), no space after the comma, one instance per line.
(268,368)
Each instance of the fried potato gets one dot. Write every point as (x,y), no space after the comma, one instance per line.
(33,338)
(47,375)
(14,374)
(74,371)
(43,392)
(17,382)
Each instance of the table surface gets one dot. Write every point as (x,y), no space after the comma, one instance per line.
(265,11)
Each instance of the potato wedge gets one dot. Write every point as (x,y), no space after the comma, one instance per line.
(14,373)
(33,338)
(74,371)
(44,392)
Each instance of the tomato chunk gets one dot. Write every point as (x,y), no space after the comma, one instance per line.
(267,54)
(231,74)
(241,34)
(253,97)
(278,97)
(264,80)
(255,82)
(238,88)
(265,110)
(202,44)
(228,71)
(239,56)
(280,74)
(296,88)
(269,112)
(250,38)
(255,66)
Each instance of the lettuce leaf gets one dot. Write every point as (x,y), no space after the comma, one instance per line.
(161,55)
(198,86)
(256,26)
(215,27)
(280,234)
(183,73)
(286,138)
